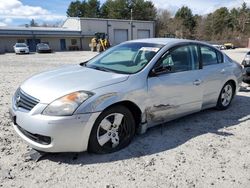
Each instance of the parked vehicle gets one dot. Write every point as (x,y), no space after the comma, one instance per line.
(229,46)
(21,48)
(246,71)
(219,46)
(99,105)
(43,48)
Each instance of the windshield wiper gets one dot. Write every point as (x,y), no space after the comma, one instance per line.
(100,68)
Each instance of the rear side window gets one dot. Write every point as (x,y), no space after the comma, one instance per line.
(210,56)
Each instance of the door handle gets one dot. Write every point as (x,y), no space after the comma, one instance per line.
(197,82)
(222,71)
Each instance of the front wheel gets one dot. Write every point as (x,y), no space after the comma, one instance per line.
(113,130)
(226,96)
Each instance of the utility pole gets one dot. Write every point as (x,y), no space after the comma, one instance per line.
(131,22)
(131,14)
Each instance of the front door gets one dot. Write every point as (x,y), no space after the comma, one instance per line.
(176,88)
(63,44)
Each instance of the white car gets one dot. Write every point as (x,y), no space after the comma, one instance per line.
(21,48)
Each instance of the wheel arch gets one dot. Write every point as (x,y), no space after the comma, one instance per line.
(132,107)
(219,106)
(233,82)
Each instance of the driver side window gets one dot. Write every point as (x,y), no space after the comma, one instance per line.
(183,58)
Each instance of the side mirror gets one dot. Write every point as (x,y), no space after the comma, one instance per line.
(152,73)
(159,70)
(83,63)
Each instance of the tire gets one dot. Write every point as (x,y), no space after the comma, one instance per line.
(107,136)
(99,48)
(226,96)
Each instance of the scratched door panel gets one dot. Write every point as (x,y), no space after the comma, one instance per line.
(173,95)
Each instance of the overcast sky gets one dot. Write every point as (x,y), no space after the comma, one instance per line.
(18,12)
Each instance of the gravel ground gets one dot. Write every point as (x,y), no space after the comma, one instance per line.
(207,149)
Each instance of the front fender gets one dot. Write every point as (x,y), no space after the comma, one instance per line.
(129,91)
(99,103)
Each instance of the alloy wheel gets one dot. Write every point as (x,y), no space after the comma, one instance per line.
(227,94)
(112,130)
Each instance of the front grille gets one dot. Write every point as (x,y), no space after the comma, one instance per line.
(23,100)
(45,140)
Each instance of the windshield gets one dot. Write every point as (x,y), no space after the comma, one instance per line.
(125,58)
(21,45)
(42,45)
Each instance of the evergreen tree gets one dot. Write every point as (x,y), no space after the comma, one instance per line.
(90,8)
(185,16)
(33,23)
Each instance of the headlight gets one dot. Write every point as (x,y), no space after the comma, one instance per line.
(67,104)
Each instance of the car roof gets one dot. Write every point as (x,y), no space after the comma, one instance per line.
(167,41)
(42,43)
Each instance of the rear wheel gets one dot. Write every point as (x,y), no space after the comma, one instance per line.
(113,130)
(226,96)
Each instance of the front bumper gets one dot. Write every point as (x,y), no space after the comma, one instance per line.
(44,50)
(53,133)
(22,51)
(246,75)
(246,79)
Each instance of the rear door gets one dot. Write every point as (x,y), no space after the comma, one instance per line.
(177,91)
(213,76)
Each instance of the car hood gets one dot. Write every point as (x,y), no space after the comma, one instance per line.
(21,48)
(54,84)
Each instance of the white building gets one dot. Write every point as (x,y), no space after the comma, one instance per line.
(76,33)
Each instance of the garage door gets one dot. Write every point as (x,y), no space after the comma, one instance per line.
(120,35)
(141,33)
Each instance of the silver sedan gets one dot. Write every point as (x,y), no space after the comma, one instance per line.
(99,105)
